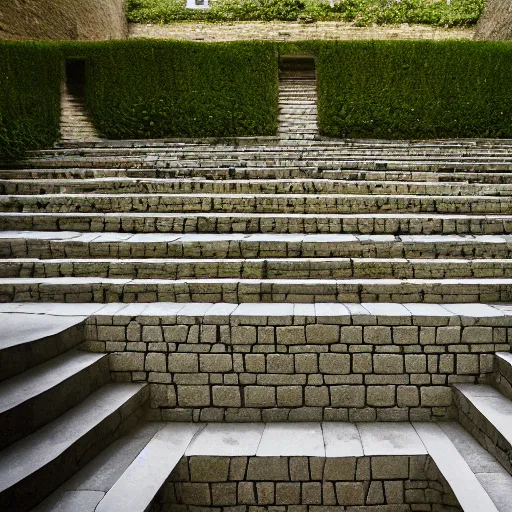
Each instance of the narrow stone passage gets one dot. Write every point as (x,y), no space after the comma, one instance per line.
(298,119)
(75,125)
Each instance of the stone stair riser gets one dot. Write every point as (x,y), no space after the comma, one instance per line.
(32,489)
(19,358)
(184,186)
(222,173)
(297,368)
(267,203)
(258,269)
(272,248)
(33,414)
(408,482)
(255,291)
(253,223)
(483,431)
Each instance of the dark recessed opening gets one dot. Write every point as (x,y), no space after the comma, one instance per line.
(75,77)
(302,63)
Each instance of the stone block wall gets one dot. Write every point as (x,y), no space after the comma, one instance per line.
(63,19)
(306,484)
(264,368)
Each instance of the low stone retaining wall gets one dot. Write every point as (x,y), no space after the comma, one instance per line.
(306,484)
(300,367)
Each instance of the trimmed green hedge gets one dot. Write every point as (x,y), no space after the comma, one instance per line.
(30,76)
(154,89)
(414,89)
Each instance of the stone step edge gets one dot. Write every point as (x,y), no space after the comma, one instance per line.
(502,376)
(463,482)
(335,441)
(152,466)
(63,382)
(365,313)
(33,457)
(490,428)
(45,338)
(77,237)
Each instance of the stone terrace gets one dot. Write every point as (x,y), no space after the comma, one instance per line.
(223,324)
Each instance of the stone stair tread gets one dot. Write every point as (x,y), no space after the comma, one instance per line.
(478,458)
(101,473)
(394,439)
(475,489)
(303,282)
(19,329)
(491,404)
(31,454)
(138,485)
(41,378)
(470,494)
(100,237)
(263,310)
(227,439)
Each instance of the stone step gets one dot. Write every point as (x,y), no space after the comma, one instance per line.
(502,377)
(489,472)
(256,203)
(370,224)
(337,146)
(240,186)
(88,486)
(309,111)
(260,173)
(485,413)
(41,394)
(153,466)
(37,464)
(30,340)
(315,348)
(265,453)
(75,124)
(464,483)
(239,162)
(103,290)
(284,268)
(64,244)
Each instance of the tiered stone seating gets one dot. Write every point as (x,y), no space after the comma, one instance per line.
(259,305)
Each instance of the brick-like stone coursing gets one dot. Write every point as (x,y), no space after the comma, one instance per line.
(285,368)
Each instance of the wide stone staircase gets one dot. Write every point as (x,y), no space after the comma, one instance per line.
(294,326)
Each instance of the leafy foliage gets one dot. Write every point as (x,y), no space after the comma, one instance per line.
(153,89)
(414,89)
(29,97)
(362,12)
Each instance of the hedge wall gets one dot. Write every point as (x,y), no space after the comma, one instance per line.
(414,89)
(154,89)
(29,97)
